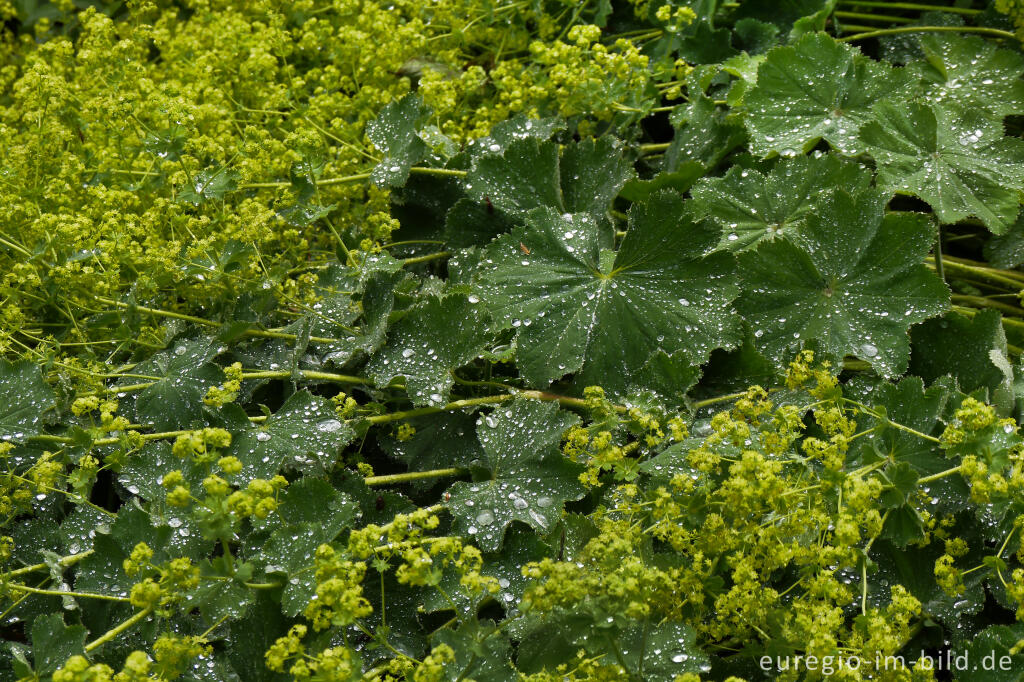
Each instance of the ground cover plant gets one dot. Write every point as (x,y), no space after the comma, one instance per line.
(511,341)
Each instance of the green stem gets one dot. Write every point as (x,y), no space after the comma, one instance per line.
(412,476)
(424,259)
(308,374)
(114,632)
(59,593)
(940,475)
(441,172)
(982,302)
(654,148)
(63,562)
(909,5)
(359,177)
(872,17)
(994,32)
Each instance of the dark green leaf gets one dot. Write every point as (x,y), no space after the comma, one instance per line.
(751,207)
(53,643)
(394,134)
(26,398)
(661,292)
(211,184)
(185,373)
(816,89)
(426,345)
(304,434)
(957,160)
(971,73)
(527,477)
(854,285)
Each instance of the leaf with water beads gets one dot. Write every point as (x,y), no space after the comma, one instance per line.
(817,89)
(425,346)
(958,161)
(303,434)
(185,373)
(970,73)
(579,307)
(751,207)
(481,653)
(971,350)
(53,643)
(26,398)
(525,476)
(854,284)
(528,174)
(395,133)
(211,184)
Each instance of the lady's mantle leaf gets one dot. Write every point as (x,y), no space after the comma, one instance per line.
(176,399)
(303,434)
(959,163)
(426,345)
(854,284)
(816,89)
(751,207)
(971,73)
(528,478)
(579,307)
(529,174)
(209,185)
(394,132)
(25,397)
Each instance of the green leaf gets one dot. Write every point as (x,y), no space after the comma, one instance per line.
(752,207)
(967,72)
(703,134)
(441,440)
(854,284)
(663,293)
(211,184)
(1006,251)
(959,162)
(528,174)
(469,223)
(185,373)
(816,89)
(53,643)
(427,344)
(680,180)
(971,350)
(394,134)
(990,657)
(313,513)
(303,434)
(909,404)
(526,477)
(481,653)
(26,398)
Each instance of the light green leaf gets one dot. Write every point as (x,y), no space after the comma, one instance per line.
(968,72)
(394,134)
(26,397)
(427,344)
(854,284)
(703,135)
(527,477)
(175,400)
(960,163)
(816,89)
(304,434)
(751,207)
(662,292)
